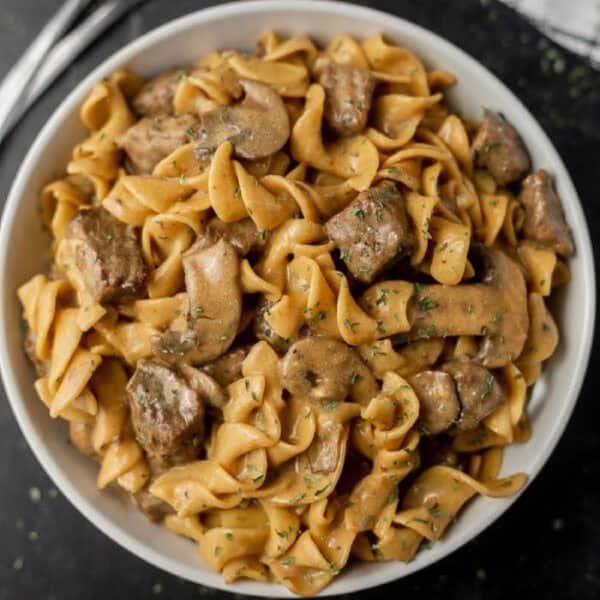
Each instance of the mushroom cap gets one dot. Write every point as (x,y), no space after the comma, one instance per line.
(322,369)
(495,309)
(257,127)
(439,406)
(506,332)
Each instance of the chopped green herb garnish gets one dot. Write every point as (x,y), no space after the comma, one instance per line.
(427,303)
(498,315)
(350,325)
(487,386)
(355,377)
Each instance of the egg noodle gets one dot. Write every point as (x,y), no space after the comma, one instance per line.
(289,482)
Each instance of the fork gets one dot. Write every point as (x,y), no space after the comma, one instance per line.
(47,57)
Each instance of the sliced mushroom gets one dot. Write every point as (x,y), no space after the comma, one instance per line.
(257,127)
(324,451)
(479,392)
(495,309)
(243,235)
(325,370)
(212,281)
(205,386)
(438,403)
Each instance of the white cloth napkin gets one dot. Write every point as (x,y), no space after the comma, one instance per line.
(575,24)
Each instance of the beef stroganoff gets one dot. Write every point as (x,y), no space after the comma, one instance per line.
(296,302)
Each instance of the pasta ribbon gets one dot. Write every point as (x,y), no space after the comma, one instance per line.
(355,159)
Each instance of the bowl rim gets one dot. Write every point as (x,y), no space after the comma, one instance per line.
(204,16)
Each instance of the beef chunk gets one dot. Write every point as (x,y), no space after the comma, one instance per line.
(227,368)
(156,95)
(544,218)
(166,412)
(242,235)
(104,255)
(439,405)
(499,149)
(372,231)
(151,139)
(479,392)
(349,92)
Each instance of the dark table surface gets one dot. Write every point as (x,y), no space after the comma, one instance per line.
(549,542)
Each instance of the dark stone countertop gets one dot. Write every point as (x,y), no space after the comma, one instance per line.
(547,543)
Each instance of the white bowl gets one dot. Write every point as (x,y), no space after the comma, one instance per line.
(23,252)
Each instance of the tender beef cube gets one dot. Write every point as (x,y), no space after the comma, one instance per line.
(105,255)
(227,368)
(372,231)
(439,406)
(212,281)
(242,235)
(479,392)
(156,95)
(544,218)
(499,149)
(349,92)
(151,139)
(166,412)
(262,330)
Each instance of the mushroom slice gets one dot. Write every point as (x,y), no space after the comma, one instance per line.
(257,127)
(324,450)
(479,392)
(321,369)
(212,281)
(205,386)
(438,403)
(495,309)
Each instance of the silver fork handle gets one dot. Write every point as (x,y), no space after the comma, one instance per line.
(18,78)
